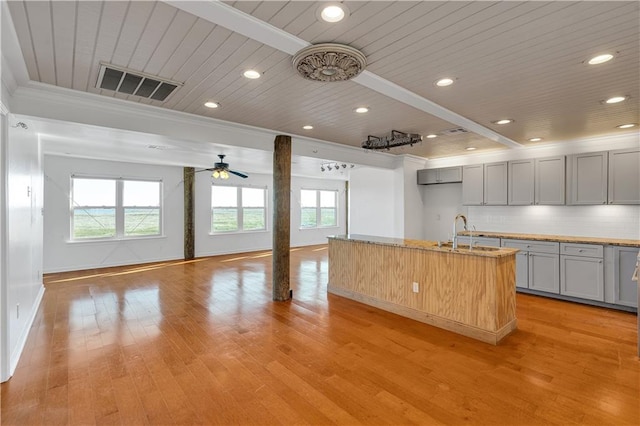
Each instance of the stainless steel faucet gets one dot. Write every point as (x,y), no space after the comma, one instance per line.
(455,233)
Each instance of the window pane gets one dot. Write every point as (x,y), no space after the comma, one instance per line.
(327,217)
(139,193)
(94,223)
(224,196)
(253,219)
(308,219)
(94,192)
(252,197)
(141,221)
(224,219)
(327,198)
(308,198)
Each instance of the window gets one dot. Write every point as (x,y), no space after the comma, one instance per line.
(114,208)
(318,208)
(237,208)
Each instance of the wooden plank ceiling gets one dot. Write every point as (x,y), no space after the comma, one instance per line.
(518,60)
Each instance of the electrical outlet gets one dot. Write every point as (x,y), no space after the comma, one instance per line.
(17,310)
(416,287)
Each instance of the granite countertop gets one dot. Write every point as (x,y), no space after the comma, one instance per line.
(427,245)
(554,238)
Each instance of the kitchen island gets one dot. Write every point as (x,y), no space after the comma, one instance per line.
(467,291)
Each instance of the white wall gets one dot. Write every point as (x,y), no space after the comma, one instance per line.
(598,221)
(23,235)
(372,201)
(412,198)
(60,254)
(208,244)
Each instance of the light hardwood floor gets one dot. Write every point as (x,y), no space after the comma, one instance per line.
(201,342)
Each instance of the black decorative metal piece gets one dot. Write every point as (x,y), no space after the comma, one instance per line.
(395,139)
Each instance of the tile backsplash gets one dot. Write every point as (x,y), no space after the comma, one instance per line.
(593,221)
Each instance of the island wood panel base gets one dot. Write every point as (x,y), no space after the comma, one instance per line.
(456,291)
(492,337)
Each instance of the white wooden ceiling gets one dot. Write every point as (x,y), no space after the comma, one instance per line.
(518,60)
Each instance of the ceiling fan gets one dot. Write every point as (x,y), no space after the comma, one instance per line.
(221,170)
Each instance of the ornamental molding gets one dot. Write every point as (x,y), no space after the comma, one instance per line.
(329,62)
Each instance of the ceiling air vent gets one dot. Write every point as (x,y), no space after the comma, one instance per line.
(454,131)
(135,83)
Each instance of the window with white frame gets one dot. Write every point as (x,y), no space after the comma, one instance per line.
(115,208)
(318,208)
(238,208)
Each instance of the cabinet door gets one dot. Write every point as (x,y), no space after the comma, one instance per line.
(624,176)
(522,269)
(625,290)
(588,178)
(549,180)
(495,184)
(520,183)
(472,185)
(427,176)
(544,272)
(582,277)
(450,174)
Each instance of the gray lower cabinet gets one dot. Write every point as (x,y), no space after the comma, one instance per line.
(479,241)
(582,271)
(544,272)
(625,291)
(537,264)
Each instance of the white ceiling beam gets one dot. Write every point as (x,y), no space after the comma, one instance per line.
(242,23)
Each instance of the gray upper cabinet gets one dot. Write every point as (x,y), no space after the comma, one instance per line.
(550,180)
(521,183)
(473,185)
(495,184)
(587,175)
(443,175)
(624,176)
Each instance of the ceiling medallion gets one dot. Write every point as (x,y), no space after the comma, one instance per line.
(329,62)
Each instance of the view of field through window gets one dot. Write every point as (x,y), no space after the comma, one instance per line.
(237,209)
(96,208)
(318,208)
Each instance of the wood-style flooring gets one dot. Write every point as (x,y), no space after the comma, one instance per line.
(201,342)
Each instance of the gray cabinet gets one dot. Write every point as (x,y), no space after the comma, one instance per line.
(473,185)
(537,264)
(582,271)
(485,184)
(624,176)
(587,175)
(550,180)
(495,184)
(625,291)
(521,183)
(443,175)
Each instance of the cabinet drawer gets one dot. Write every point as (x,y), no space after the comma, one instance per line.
(533,246)
(587,250)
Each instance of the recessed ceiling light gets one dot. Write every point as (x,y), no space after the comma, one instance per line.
(471,148)
(211,104)
(444,82)
(252,74)
(600,59)
(615,99)
(626,126)
(361,110)
(307,127)
(535,139)
(503,121)
(332,12)
(431,136)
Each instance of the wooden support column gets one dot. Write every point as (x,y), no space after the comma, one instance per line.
(281,217)
(189,202)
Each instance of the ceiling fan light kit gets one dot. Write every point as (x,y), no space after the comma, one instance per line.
(328,62)
(220,170)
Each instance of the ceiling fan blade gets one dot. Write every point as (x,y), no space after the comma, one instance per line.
(242,175)
(205,170)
